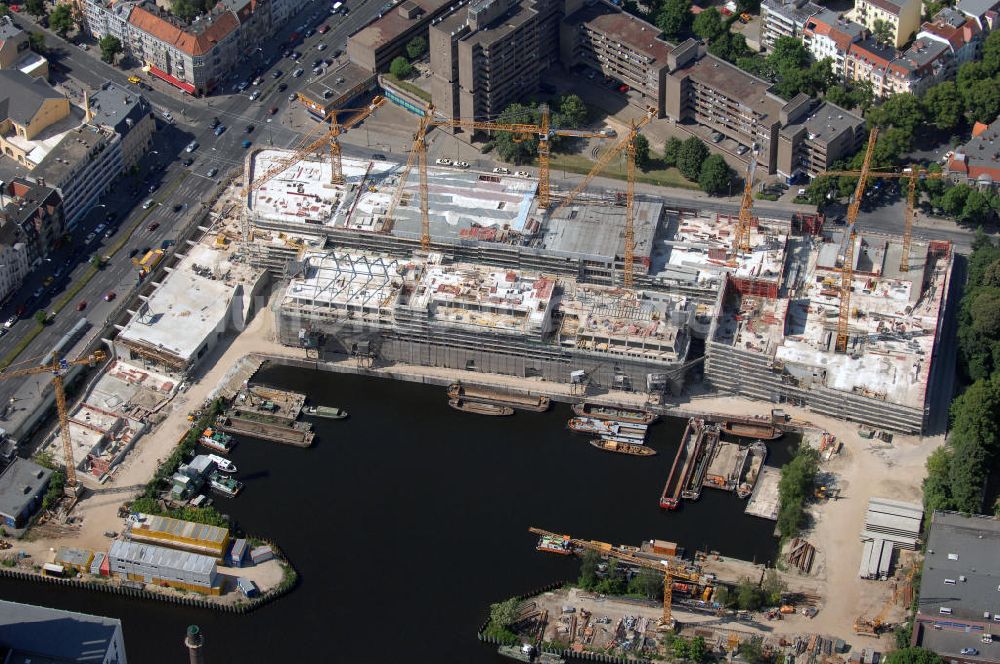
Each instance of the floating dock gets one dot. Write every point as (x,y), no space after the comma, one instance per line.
(764,499)
(268,414)
(683,464)
(237,422)
(537,404)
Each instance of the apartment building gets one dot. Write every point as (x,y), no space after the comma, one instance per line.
(828,34)
(984,12)
(925,63)
(815,140)
(491,53)
(902,17)
(978,161)
(255,22)
(108,17)
(620,46)
(375,45)
(14,262)
(129,115)
(959,32)
(37,211)
(714,93)
(81,167)
(16,53)
(784,18)
(193,58)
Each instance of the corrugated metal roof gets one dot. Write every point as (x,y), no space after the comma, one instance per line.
(162,557)
(186,529)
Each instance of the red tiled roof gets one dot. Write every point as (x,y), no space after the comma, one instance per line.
(192,44)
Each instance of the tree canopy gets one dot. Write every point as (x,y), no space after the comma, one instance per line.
(674,18)
(641,151)
(795,488)
(110,47)
(671,150)
(708,25)
(913,655)
(716,176)
(400,68)
(690,156)
(416,47)
(61,20)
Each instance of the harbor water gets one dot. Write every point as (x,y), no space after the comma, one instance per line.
(408,519)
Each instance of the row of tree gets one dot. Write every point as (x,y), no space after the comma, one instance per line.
(796,487)
(958,472)
(692,159)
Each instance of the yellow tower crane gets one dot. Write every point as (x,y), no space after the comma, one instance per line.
(913,174)
(626,145)
(741,239)
(669,571)
(58,369)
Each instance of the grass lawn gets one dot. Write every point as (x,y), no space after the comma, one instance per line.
(409,87)
(656,173)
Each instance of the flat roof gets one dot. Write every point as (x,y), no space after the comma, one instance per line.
(63,160)
(625,29)
(797,10)
(826,122)
(392,24)
(161,557)
(20,484)
(735,83)
(961,546)
(186,308)
(35,632)
(338,81)
(176,528)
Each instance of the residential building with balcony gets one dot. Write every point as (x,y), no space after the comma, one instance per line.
(817,139)
(925,63)
(102,18)
(37,211)
(961,33)
(828,34)
(490,53)
(14,262)
(129,115)
(902,17)
(784,18)
(619,46)
(194,57)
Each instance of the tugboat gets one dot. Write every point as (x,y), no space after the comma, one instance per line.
(216,440)
(328,412)
(609,444)
(223,464)
(227,486)
(612,413)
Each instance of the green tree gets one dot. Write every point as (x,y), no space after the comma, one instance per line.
(41,316)
(903,111)
(716,176)
(4,10)
(503,614)
(937,491)
(185,9)
(589,562)
(752,650)
(748,596)
(517,151)
(730,46)
(35,7)
(882,32)
(416,47)
(697,650)
(991,54)
(641,151)
(680,648)
(674,18)
(773,587)
(672,150)
(572,111)
(646,583)
(708,24)
(792,68)
(110,47)
(944,106)
(690,157)
(400,68)
(914,655)
(953,200)
(982,99)
(794,488)
(36,41)
(61,20)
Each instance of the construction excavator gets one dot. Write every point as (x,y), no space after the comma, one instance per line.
(58,368)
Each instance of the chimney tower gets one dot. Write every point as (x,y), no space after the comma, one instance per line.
(194,641)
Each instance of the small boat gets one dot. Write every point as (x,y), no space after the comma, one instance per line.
(223,464)
(216,440)
(479,408)
(607,428)
(225,485)
(555,544)
(611,445)
(328,412)
(613,413)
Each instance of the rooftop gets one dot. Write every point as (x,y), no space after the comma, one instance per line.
(41,634)
(62,162)
(161,557)
(890,6)
(980,157)
(196,39)
(178,529)
(20,484)
(395,22)
(516,14)
(826,122)
(23,197)
(187,307)
(114,106)
(832,24)
(624,28)
(717,74)
(335,86)
(977,8)
(796,10)
(21,96)
(8,30)
(961,569)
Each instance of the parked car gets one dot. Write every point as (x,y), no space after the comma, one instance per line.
(716,137)
(191,147)
(282,87)
(153,226)
(220,130)
(93,236)
(298,72)
(178,207)
(500,170)
(523,174)
(292,97)
(273,111)
(248,129)
(970,651)
(247,143)
(742,149)
(254,95)
(212,172)
(323,29)
(100,228)
(277,73)
(10,322)
(321,46)
(169,118)
(444,161)
(188,161)
(378,155)
(148,204)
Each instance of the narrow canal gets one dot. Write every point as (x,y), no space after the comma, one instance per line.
(408,519)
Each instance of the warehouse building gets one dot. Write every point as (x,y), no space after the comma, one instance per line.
(959,600)
(22,486)
(53,636)
(145,563)
(177,534)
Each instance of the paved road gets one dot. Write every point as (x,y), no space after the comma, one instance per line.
(162,170)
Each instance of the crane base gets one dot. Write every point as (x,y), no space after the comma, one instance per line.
(73,491)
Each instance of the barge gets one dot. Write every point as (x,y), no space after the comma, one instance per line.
(612,445)
(635,432)
(218,441)
(702,459)
(680,470)
(480,408)
(613,413)
(758,454)
(559,544)
(328,412)
(537,404)
(759,428)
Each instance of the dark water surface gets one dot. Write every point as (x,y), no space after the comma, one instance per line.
(408,519)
